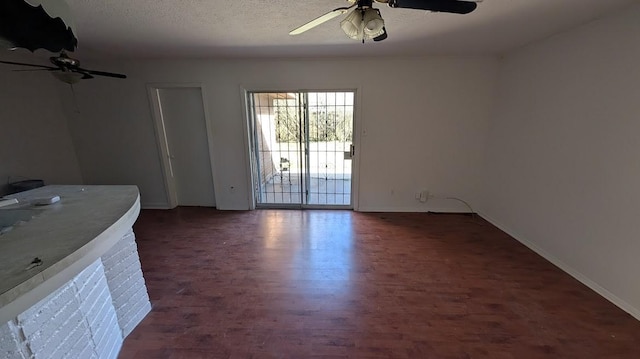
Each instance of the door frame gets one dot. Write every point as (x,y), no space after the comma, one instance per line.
(356,160)
(153,91)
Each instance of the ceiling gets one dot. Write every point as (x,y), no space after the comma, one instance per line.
(258,28)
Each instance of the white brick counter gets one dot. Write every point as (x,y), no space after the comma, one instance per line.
(85,308)
(126,283)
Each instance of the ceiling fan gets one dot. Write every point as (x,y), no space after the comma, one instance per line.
(44,24)
(66,69)
(364,22)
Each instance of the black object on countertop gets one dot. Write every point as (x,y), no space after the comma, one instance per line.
(21,186)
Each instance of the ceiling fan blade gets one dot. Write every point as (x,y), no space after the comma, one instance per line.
(320,20)
(85,75)
(32,65)
(452,6)
(31,70)
(99,73)
(381,36)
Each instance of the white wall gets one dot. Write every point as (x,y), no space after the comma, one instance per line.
(34,137)
(563,163)
(423,122)
(113,135)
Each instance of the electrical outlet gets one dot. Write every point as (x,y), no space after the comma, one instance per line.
(424,196)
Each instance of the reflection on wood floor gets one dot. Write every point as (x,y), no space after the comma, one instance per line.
(340,284)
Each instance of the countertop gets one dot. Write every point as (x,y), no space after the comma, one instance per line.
(66,236)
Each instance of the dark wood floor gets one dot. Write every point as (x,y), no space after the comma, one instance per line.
(339,284)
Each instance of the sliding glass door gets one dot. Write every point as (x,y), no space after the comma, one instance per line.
(302,148)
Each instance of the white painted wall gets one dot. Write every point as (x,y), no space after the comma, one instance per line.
(423,122)
(563,163)
(113,134)
(34,137)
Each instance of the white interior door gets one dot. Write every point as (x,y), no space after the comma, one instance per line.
(183,120)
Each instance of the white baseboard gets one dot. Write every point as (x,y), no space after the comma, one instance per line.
(389,209)
(620,303)
(411,209)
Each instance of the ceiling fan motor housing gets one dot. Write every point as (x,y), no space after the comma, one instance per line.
(64,61)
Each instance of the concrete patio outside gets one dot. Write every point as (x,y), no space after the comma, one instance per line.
(330,175)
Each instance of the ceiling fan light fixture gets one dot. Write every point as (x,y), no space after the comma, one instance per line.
(363,24)
(373,23)
(67,76)
(353,24)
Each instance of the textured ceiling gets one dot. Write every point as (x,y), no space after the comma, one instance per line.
(256,28)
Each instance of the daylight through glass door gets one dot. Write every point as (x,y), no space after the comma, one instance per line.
(302,148)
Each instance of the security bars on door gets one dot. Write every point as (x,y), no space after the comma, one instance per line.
(302,148)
